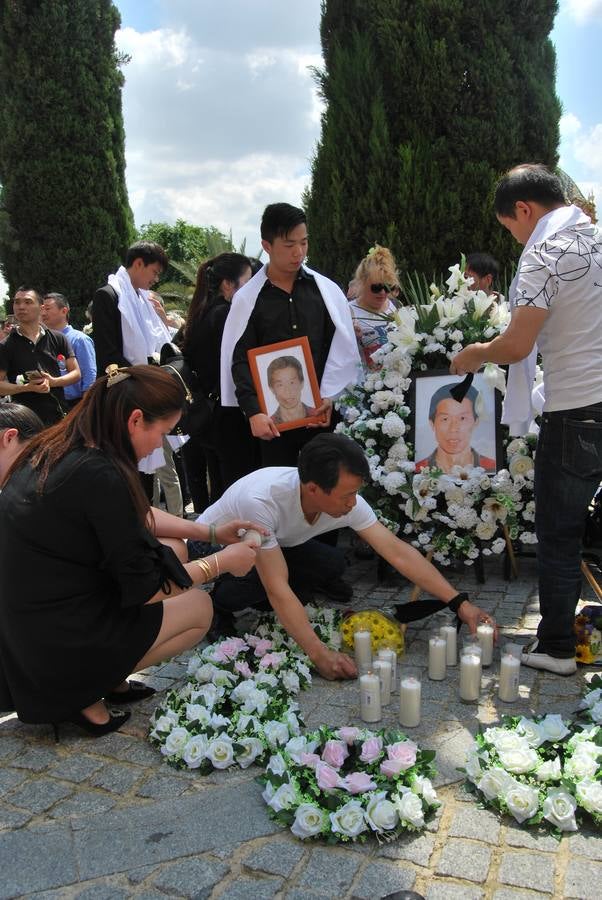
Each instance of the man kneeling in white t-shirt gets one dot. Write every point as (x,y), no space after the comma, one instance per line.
(297,505)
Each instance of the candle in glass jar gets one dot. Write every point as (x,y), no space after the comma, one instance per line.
(450,634)
(362,643)
(437,657)
(470,674)
(410,691)
(370,710)
(485,637)
(509,673)
(382,667)
(390,656)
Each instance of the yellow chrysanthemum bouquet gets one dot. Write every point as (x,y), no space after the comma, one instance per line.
(384,630)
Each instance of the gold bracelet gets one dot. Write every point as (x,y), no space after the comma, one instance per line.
(216,565)
(205,568)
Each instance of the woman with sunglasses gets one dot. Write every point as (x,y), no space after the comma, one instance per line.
(375,279)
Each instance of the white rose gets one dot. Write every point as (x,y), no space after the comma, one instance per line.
(581,765)
(167,721)
(257,701)
(276,764)
(209,693)
(298,745)
(243,690)
(559,809)
(224,679)
(519,761)
(252,749)
(473,766)
(218,721)
(266,678)
(495,782)
(276,733)
(522,801)
(505,739)
(309,821)
(409,807)
(381,814)
(206,672)
(532,731)
(589,795)
(197,713)
(549,770)
(520,465)
(290,680)
(292,722)
(220,752)
(349,820)
(195,750)
(175,742)
(596,711)
(424,788)
(283,798)
(553,728)
(591,698)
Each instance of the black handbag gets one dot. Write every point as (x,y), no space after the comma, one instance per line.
(198,412)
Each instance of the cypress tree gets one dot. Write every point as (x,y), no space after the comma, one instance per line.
(426,105)
(64,215)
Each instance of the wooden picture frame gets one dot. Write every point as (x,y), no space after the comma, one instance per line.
(482,437)
(286,383)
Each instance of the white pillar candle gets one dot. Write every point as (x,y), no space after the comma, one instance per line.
(437,657)
(390,655)
(509,673)
(450,634)
(410,691)
(362,643)
(485,637)
(470,674)
(370,710)
(382,667)
(252,537)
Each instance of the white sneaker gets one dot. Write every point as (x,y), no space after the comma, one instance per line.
(544,661)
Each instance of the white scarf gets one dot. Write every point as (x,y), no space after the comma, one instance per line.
(143,331)
(343,362)
(518,410)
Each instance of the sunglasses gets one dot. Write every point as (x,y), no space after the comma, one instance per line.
(377,288)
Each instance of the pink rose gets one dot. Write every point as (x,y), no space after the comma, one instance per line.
(232,647)
(405,751)
(358,782)
(262,647)
(243,668)
(252,640)
(272,659)
(349,734)
(392,767)
(327,777)
(335,753)
(371,749)
(309,759)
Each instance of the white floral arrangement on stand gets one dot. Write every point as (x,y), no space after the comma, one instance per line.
(590,706)
(348,783)
(541,771)
(460,515)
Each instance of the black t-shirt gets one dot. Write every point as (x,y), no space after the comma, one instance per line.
(18,354)
(280,316)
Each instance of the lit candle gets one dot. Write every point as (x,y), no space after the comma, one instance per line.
(509,673)
(470,673)
(382,667)
(362,643)
(450,634)
(437,657)
(370,697)
(388,654)
(485,636)
(410,691)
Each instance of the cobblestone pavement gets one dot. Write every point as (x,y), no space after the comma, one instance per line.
(107,818)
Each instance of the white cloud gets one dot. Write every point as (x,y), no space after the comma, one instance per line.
(584,10)
(587,148)
(569,126)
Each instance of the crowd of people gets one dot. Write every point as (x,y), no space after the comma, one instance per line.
(97,583)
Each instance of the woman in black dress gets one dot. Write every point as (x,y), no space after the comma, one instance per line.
(228,451)
(88,592)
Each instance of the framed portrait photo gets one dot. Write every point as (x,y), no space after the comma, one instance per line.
(448,433)
(286,384)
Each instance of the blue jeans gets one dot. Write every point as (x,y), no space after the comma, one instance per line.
(568,470)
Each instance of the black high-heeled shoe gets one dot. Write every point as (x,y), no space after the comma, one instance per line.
(94,729)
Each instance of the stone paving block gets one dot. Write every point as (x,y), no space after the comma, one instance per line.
(36,861)
(191,877)
(472,822)
(141,753)
(445,890)
(586,844)
(170,829)
(161,787)
(417,849)
(379,879)
(530,839)
(249,889)
(275,858)
(12,818)
(528,870)
(464,859)
(511,894)
(583,879)
(36,759)
(329,872)
(75,768)
(137,876)
(117,778)
(102,892)
(9,779)
(114,744)
(39,794)
(83,803)
(10,746)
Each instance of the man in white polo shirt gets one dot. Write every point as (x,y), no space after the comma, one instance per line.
(557,301)
(296,505)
